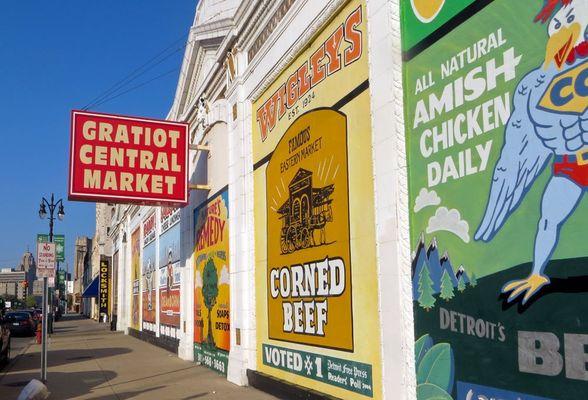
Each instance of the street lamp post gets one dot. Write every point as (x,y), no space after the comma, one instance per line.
(52,206)
(43,214)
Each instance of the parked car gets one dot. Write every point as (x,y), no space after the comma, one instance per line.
(4,341)
(36,317)
(20,323)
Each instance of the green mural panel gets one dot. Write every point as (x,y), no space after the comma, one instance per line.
(496,115)
(422,18)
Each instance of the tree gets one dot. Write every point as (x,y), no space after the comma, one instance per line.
(446,287)
(209,293)
(461,286)
(426,298)
(473,280)
(31,302)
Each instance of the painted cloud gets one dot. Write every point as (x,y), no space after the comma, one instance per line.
(450,221)
(197,280)
(426,198)
(224,276)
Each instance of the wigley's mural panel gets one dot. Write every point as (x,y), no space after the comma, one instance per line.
(315,246)
(135,278)
(497,141)
(212,322)
(169,273)
(148,274)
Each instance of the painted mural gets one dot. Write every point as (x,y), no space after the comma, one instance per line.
(169,273)
(496,114)
(136,278)
(212,321)
(316,275)
(148,272)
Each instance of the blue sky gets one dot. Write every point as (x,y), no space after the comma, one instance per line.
(56,56)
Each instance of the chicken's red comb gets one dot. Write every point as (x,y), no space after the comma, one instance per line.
(548,9)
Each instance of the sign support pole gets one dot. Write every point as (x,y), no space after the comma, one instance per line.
(44,331)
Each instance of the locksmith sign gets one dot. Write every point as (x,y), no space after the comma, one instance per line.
(128,160)
(104,294)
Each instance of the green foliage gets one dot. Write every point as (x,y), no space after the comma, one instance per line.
(436,368)
(446,287)
(473,280)
(461,286)
(427,391)
(209,284)
(426,298)
(209,293)
(421,347)
(31,302)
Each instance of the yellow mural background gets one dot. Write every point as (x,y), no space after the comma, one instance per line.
(221,310)
(135,277)
(307,231)
(366,336)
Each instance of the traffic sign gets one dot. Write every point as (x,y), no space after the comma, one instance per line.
(46,262)
(59,241)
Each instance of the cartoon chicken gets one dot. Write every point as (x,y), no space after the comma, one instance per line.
(549,124)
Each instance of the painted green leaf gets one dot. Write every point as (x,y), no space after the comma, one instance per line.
(421,347)
(436,367)
(428,391)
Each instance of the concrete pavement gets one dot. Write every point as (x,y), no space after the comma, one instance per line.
(87,361)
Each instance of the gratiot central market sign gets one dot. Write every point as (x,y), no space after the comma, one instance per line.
(128,160)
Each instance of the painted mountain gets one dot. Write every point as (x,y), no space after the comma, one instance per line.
(429,258)
(461,271)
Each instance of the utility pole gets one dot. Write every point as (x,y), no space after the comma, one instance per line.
(42,214)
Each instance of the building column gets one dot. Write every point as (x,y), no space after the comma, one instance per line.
(243,334)
(391,200)
(186,346)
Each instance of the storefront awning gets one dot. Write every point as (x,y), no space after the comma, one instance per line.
(92,288)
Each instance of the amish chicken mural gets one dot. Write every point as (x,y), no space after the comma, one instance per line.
(496,113)
(549,123)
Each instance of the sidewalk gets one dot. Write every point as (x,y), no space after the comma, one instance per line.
(87,361)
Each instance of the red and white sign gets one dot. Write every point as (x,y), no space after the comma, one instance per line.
(120,159)
(46,261)
(149,229)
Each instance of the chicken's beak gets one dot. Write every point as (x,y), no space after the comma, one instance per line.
(560,45)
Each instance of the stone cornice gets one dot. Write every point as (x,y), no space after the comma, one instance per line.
(313,29)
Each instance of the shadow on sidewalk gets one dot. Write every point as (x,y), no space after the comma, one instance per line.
(68,385)
(72,317)
(154,376)
(58,329)
(131,394)
(66,357)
